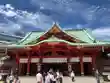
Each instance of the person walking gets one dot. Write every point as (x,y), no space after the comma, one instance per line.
(61,78)
(17,80)
(44,76)
(55,77)
(72,75)
(52,79)
(97,76)
(11,78)
(39,77)
(49,78)
(58,76)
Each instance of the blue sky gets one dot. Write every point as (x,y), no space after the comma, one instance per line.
(22,16)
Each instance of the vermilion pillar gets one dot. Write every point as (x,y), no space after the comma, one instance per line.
(93,62)
(17,60)
(81,65)
(18,63)
(39,64)
(28,64)
(68,59)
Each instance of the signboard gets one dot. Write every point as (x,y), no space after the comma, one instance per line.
(23,60)
(75,59)
(87,59)
(34,60)
(54,60)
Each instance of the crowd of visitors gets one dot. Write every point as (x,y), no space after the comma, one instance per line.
(45,77)
(52,77)
(10,78)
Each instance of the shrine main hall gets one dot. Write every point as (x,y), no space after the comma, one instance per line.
(63,50)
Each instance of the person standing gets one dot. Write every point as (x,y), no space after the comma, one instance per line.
(49,78)
(72,75)
(11,78)
(58,76)
(39,77)
(61,78)
(55,77)
(97,76)
(44,76)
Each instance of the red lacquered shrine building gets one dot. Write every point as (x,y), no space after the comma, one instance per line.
(60,50)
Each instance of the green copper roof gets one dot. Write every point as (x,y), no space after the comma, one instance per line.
(78,34)
(9,38)
(30,37)
(55,39)
(81,34)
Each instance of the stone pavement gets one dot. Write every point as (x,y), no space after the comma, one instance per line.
(65,80)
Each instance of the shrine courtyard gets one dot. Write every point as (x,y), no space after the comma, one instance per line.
(65,80)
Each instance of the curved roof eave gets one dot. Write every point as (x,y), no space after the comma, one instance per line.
(72,44)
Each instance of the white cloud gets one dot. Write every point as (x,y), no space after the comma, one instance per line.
(8,28)
(102,33)
(62,7)
(20,18)
(9,13)
(59,10)
(9,6)
(7,10)
(79,26)
(70,9)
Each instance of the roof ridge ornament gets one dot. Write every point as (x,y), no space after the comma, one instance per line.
(56,24)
